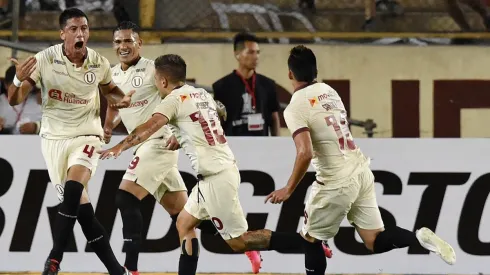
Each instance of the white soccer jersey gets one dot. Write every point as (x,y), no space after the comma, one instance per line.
(140,78)
(70,95)
(318,108)
(198,128)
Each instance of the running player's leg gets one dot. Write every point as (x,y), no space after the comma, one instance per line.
(69,180)
(192,214)
(219,196)
(365,216)
(293,242)
(54,153)
(144,176)
(128,201)
(324,212)
(173,200)
(172,195)
(82,162)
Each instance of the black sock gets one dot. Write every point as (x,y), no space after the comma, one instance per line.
(188,263)
(393,237)
(65,220)
(315,261)
(130,207)
(98,239)
(286,242)
(207,226)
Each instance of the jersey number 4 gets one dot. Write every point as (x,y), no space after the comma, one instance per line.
(89,150)
(210,133)
(342,131)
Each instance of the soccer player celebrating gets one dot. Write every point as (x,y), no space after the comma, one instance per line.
(344,183)
(71,75)
(153,169)
(193,112)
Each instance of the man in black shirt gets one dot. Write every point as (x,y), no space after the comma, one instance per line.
(250,98)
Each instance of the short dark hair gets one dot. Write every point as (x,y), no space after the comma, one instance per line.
(240,39)
(172,66)
(302,62)
(127,25)
(10,74)
(69,14)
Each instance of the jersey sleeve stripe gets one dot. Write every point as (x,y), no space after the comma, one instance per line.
(33,83)
(300,130)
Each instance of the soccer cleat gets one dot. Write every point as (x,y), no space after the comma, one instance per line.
(129,272)
(430,241)
(51,267)
(255,259)
(327,249)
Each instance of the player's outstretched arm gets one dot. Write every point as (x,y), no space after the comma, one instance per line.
(140,134)
(304,154)
(21,86)
(115,96)
(112,119)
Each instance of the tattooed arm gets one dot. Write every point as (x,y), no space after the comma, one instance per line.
(140,134)
(144,131)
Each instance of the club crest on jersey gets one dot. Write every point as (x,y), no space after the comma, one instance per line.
(312,101)
(183,98)
(137,81)
(89,77)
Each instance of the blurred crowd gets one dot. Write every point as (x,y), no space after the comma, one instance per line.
(455,8)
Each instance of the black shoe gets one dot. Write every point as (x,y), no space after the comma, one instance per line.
(51,267)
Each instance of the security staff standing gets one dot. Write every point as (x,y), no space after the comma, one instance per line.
(250,98)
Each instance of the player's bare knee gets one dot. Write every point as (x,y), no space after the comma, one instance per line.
(79,173)
(174,202)
(184,225)
(174,212)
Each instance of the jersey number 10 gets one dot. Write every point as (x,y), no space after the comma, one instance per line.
(210,133)
(342,131)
